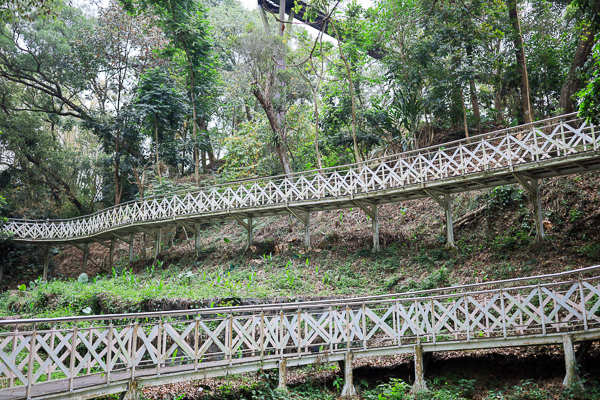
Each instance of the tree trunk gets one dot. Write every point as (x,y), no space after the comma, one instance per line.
(462,99)
(351,86)
(473,90)
(318,154)
(276,117)
(117,164)
(156,148)
(573,79)
(274,122)
(521,62)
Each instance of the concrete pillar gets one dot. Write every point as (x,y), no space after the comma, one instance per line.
(46,262)
(450,245)
(111,255)
(444,200)
(132,392)
(532,186)
(348,390)
(282,376)
(537,212)
(86,252)
(419,386)
(157,244)
(250,228)
(375,224)
(307,230)
(197,239)
(571,378)
(130,248)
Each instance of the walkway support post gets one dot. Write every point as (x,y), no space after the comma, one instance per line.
(373,213)
(281,386)
(111,255)
(303,217)
(419,386)
(531,185)
(130,248)
(157,243)
(247,226)
(86,252)
(132,392)
(446,202)
(46,261)
(197,239)
(572,378)
(348,390)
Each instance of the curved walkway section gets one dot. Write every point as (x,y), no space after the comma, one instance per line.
(82,357)
(551,147)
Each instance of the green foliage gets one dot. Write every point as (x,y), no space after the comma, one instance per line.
(503,197)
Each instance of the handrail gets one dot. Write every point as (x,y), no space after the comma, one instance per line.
(307,304)
(296,174)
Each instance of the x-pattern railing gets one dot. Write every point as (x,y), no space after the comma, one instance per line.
(117,347)
(553,138)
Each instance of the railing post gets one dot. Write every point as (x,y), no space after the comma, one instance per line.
(262,333)
(109,352)
(13,356)
(467,318)
(537,150)
(159,346)
(31,362)
(364,326)
(542,315)
(196,341)
(73,357)
(583,307)
(432,322)
(134,347)
(564,142)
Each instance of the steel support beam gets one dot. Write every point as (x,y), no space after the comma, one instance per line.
(348,390)
(532,187)
(419,386)
(446,202)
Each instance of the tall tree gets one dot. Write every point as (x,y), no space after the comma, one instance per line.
(162,106)
(185,23)
(590,27)
(519,48)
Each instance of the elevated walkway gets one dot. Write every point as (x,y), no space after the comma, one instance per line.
(84,357)
(524,154)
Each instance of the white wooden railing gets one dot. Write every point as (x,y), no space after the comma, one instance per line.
(108,348)
(539,142)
